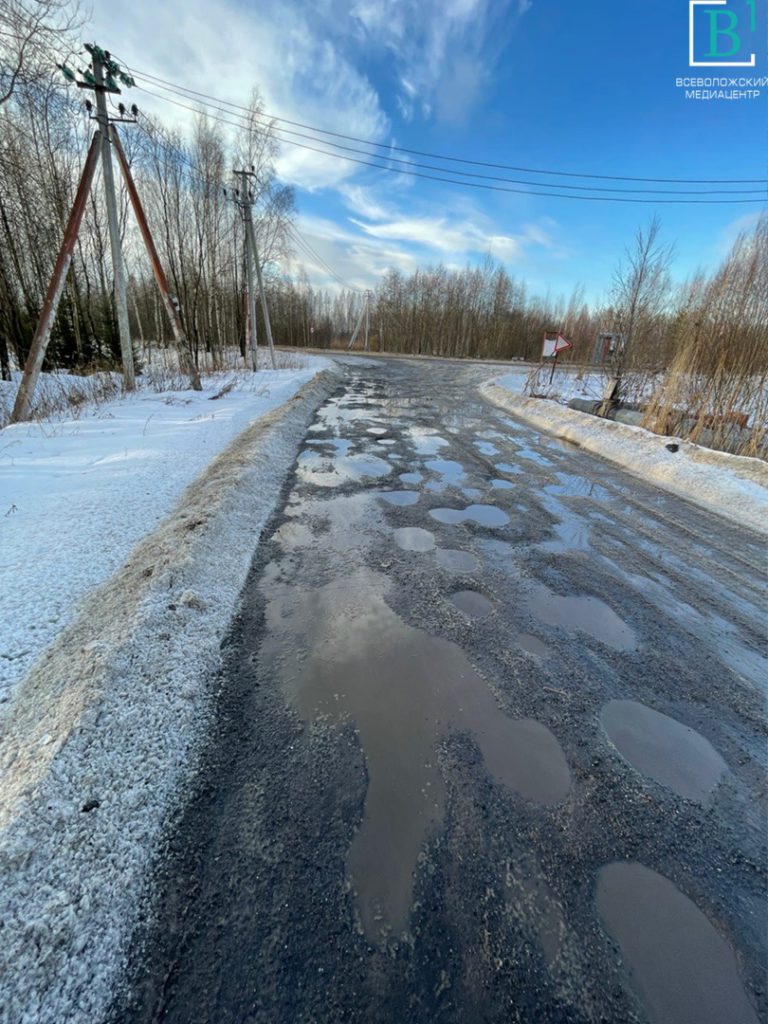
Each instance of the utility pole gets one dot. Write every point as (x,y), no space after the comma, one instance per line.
(245,206)
(171,303)
(367,316)
(251,241)
(100,87)
(95,80)
(39,345)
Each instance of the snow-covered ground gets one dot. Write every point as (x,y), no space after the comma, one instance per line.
(104,731)
(81,488)
(731,485)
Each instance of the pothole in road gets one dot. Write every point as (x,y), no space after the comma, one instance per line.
(483,515)
(413,538)
(450,473)
(425,441)
(411,478)
(587,614)
(502,485)
(472,604)
(507,467)
(332,471)
(343,655)
(453,560)
(682,969)
(663,748)
(486,448)
(532,645)
(400,498)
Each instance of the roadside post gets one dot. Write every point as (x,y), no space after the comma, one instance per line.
(554,342)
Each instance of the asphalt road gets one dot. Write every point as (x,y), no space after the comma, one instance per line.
(489,742)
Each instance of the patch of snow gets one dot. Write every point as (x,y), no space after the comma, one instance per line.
(78,491)
(103,735)
(731,485)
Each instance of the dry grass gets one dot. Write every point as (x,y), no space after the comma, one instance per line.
(715,391)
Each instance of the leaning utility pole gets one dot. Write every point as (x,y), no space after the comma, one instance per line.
(171,303)
(118,270)
(34,362)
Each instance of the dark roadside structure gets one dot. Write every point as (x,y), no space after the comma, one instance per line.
(489,742)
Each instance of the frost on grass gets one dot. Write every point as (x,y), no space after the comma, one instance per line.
(103,733)
(80,488)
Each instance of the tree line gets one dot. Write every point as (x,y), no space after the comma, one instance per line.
(708,335)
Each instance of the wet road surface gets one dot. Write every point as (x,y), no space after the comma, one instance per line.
(489,742)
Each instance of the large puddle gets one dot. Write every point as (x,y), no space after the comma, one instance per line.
(450,473)
(454,560)
(333,471)
(587,614)
(344,655)
(663,748)
(413,538)
(472,604)
(483,515)
(680,967)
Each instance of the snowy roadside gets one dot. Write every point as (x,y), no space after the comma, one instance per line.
(80,489)
(103,732)
(731,485)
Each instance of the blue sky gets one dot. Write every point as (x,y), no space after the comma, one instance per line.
(585,87)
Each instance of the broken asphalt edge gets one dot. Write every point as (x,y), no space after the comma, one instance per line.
(732,486)
(103,733)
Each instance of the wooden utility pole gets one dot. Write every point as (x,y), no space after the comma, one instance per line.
(118,270)
(171,303)
(245,206)
(36,355)
(367,317)
(250,235)
(96,81)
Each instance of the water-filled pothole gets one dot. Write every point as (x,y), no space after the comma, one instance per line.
(413,538)
(343,655)
(663,748)
(582,612)
(483,515)
(532,645)
(333,471)
(472,604)
(681,968)
(400,498)
(457,561)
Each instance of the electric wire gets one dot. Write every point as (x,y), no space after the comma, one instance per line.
(456,181)
(187,91)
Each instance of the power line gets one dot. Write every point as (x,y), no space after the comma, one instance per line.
(258,118)
(456,181)
(185,90)
(313,256)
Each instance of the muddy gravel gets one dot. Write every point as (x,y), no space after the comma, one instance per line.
(489,743)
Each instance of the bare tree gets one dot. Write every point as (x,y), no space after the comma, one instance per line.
(640,296)
(32,34)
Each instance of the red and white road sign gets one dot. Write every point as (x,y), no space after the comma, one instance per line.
(554,345)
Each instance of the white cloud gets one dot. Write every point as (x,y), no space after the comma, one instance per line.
(300,70)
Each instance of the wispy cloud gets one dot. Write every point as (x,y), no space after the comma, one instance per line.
(301,71)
